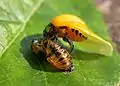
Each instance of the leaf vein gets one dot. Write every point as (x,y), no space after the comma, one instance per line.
(12,41)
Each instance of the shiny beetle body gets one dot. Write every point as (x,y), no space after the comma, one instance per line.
(66,27)
(55,54)
(72,28)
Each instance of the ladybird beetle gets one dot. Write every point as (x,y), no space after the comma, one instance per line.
(55,54)
(72,28)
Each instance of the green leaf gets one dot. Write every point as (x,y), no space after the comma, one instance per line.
(22,21)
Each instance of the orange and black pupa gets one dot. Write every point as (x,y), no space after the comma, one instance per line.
(55,54)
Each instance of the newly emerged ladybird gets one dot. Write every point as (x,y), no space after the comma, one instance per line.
(55,54)
(72,28)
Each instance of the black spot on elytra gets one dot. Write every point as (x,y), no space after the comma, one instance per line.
(63,27)
(85,37)
(80,34)
(76,32)
(73,30)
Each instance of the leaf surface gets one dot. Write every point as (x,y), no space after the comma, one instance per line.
(21,21)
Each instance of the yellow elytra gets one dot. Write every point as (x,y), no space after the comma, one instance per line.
(76,29)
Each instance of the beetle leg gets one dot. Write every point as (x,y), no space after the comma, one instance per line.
(66,39)
(54,37)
